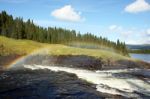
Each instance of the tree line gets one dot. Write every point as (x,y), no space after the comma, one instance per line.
(18,29)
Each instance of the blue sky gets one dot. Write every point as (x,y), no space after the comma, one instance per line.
(127,20)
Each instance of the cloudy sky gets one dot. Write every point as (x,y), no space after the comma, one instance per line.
(127,20)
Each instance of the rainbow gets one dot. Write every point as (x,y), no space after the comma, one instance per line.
(42,51)
(9,65)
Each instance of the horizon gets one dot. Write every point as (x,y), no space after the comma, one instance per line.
(123,20)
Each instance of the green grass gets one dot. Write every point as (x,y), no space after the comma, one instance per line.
(89,45)
(65,50)
(23,47)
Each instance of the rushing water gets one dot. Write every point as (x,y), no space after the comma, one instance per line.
(57,82)
(144,57)
(116,82)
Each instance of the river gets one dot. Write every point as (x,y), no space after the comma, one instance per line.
(144,57)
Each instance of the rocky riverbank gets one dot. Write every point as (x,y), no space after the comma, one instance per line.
(39,84)
(76,61)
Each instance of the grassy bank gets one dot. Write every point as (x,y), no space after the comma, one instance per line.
(22,47)
(11,46)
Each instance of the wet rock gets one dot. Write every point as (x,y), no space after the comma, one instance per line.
(44,84)
(75,61)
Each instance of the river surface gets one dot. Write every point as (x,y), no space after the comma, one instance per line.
(144,57)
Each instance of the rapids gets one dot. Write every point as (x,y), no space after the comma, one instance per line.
(116,82)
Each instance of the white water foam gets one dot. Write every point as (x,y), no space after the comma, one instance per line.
(105,81)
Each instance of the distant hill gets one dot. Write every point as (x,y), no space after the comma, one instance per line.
(139,47)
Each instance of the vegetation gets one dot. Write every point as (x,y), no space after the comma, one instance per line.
(140,51)
(18,29)
(23,47)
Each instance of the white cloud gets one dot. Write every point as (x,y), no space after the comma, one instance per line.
(112,27)
(115,28)
(138,6)
(148,31)
(127,33)
(67,13)
(131,35)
